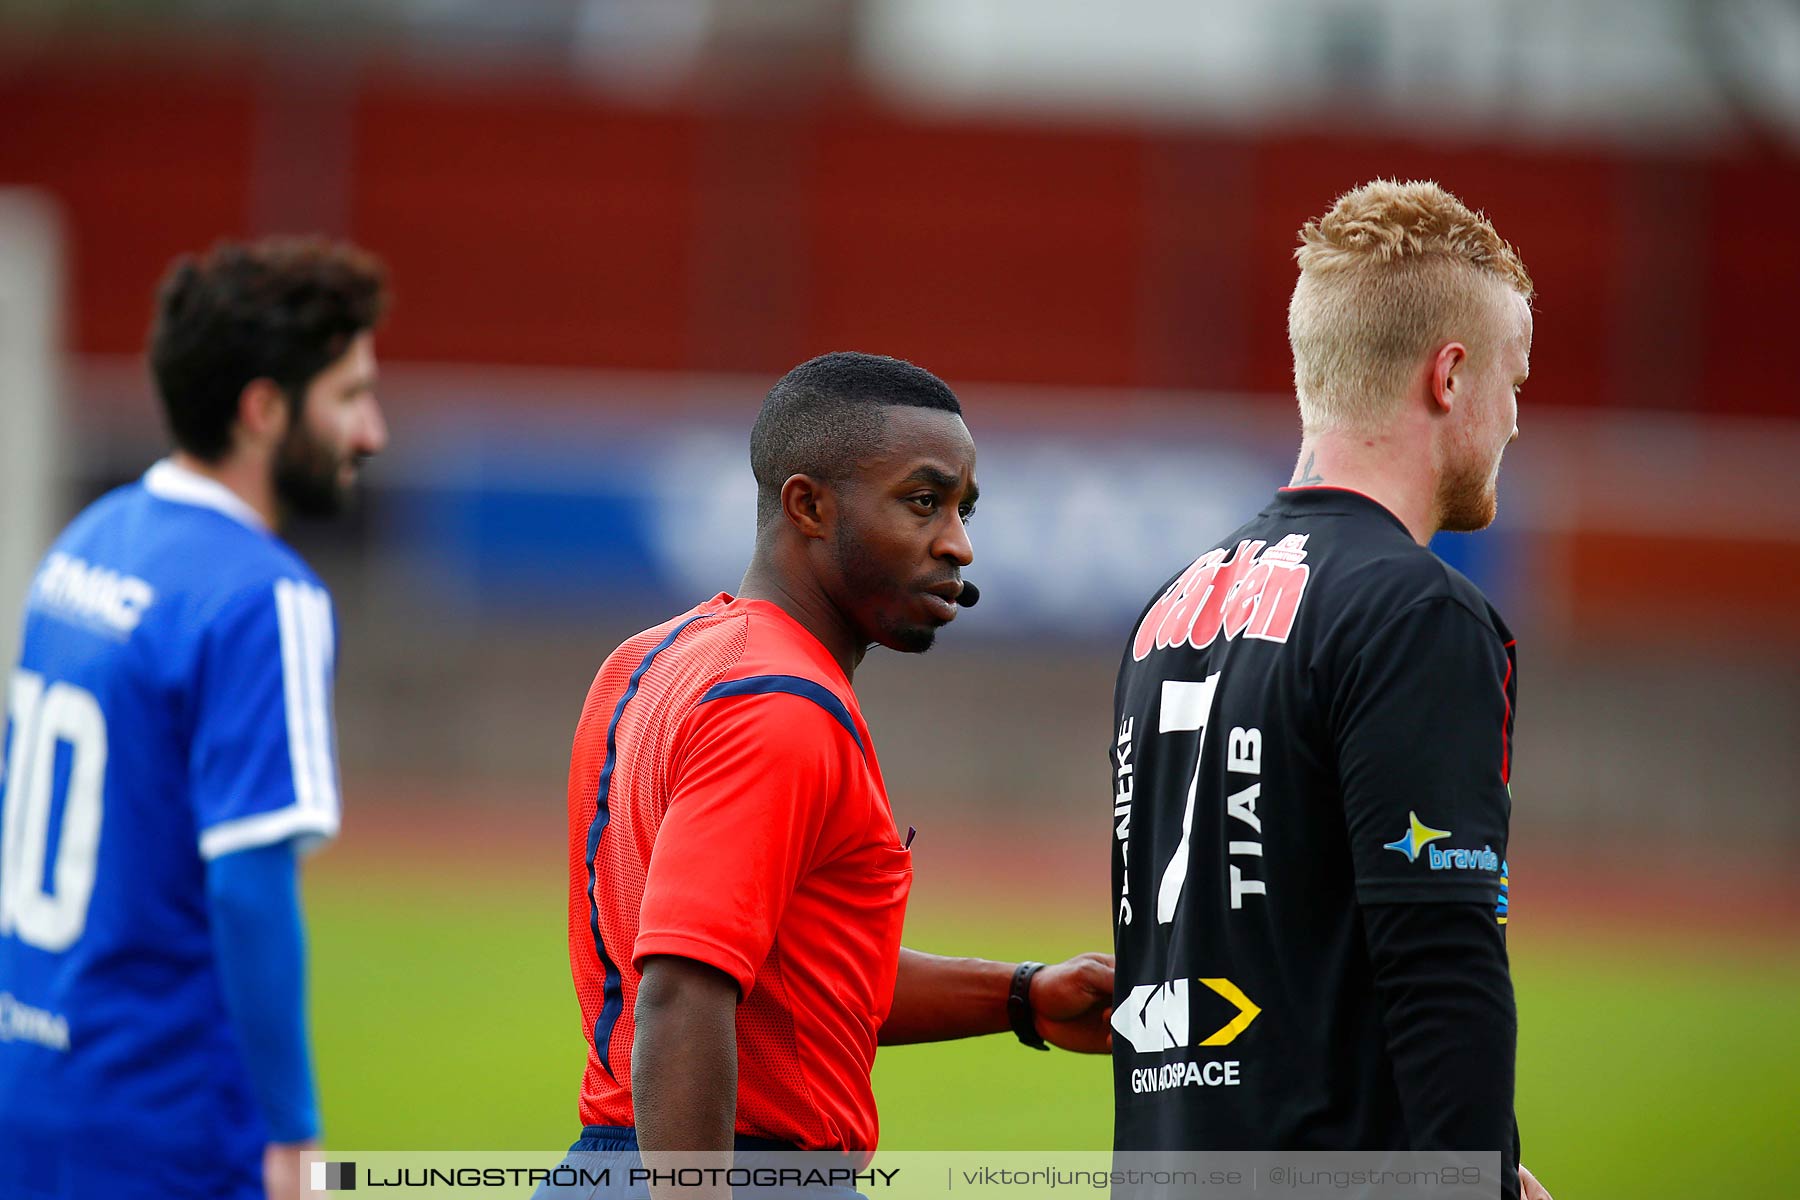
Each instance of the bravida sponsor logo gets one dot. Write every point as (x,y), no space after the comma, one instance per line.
(1419,836)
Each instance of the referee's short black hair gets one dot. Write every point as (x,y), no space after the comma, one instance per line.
(827,414)
(283,309)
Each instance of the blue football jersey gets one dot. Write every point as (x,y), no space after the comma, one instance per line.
(171,703)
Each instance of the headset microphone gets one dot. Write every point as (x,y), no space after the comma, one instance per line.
(969,595)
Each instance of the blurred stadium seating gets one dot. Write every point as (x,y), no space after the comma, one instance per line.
(596,283)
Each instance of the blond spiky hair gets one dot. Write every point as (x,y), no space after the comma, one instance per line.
(1393,270)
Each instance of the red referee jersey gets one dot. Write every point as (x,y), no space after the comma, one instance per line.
(726,805)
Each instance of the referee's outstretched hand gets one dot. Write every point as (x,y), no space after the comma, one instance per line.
(1073,1003)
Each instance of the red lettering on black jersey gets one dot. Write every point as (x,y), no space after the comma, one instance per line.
(1193,581)
(1256,593)
(1211,615)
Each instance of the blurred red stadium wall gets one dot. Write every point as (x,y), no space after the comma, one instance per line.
(531,221)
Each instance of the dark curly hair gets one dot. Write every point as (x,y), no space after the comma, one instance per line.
(283,309)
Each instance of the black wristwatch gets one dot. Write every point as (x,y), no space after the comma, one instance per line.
(1018,1006)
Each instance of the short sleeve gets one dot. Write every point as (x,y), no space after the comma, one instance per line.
(1424,717)
(263,764)
(752,786)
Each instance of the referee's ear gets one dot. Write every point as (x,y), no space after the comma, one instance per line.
(809,505)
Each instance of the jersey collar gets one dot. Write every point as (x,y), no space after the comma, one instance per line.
(814,647)
(1320,498)
(167,480)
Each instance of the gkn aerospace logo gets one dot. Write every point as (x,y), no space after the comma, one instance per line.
(1255,595)
(1158,1017)
(1419,836)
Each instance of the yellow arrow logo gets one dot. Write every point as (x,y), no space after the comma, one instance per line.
(1247,1012)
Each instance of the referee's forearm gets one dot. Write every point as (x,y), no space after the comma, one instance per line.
(937,999)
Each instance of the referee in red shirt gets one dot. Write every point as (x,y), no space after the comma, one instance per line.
(737,884)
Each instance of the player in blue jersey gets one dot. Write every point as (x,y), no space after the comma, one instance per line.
(169,752)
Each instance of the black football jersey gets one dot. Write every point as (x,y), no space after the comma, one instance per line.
(1312,720)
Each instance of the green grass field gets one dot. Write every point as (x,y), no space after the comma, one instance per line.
(1649,1066)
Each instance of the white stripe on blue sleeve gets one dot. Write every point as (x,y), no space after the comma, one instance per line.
(321,639)
(303,620)
(288,604)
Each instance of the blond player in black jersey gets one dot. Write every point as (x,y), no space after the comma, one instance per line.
(1313,738)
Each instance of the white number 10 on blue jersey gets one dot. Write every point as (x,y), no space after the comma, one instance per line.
(42,717)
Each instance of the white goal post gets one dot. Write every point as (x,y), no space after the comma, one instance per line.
(31,444)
